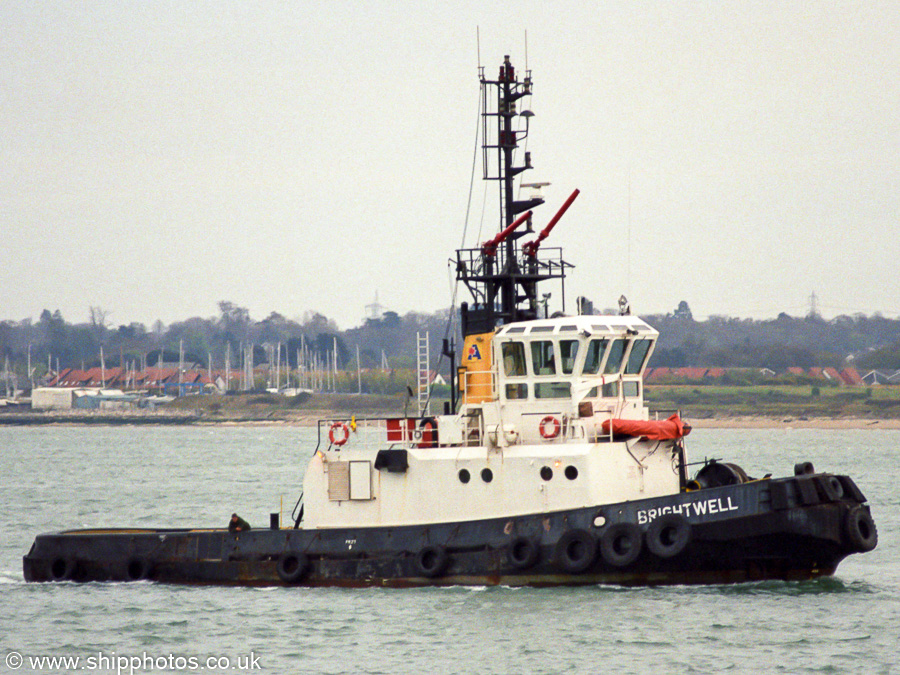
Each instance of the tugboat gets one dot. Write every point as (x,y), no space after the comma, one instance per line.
(545,469)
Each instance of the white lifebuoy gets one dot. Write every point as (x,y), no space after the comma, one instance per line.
(343,438)
(554,427)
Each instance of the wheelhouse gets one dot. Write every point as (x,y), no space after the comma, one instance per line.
(580,366)
(578,358)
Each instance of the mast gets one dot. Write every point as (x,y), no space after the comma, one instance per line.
(500,276)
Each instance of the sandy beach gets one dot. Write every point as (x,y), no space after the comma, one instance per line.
(792,423)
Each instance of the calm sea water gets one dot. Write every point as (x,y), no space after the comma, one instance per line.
(67,477)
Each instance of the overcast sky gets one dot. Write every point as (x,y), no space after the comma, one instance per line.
(156,158)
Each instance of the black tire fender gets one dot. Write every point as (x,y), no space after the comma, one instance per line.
(668,535)
(432,561)
(523,552)
(292,567)
(621,544)
(860,529)
(138,569)
(832,488)
(575,551)
(62,569)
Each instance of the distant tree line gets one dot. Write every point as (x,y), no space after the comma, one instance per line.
(53,343)
(786,341)
(864,341)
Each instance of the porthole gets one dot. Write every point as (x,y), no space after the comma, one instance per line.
(571,472)
(487,475)
(464,475)
(546,472)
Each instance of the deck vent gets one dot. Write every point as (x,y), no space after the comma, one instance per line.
(338,481)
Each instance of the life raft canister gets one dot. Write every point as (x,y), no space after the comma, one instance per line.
(549,427)
(339,438)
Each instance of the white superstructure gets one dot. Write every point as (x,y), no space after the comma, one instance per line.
(528,437)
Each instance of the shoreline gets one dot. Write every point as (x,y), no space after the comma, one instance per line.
(310,419)
(789,423)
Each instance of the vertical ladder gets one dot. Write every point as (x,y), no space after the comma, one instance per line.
(422,369)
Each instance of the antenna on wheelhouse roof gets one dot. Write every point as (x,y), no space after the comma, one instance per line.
(628,240)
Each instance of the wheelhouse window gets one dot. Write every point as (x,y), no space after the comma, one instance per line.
(631,389)
(638,355)
(610,390)
(553,390)
(614,361)
(568,350)
(542,357)
(594,356)
(514,359)
(517,391)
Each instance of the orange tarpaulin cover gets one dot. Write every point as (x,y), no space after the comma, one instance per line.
(655,430)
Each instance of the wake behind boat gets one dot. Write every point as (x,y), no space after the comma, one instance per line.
(548,470)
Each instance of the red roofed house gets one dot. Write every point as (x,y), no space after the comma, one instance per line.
(691,373)
(851,377)
(657,374)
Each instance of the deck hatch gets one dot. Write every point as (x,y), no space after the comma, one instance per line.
(360,480)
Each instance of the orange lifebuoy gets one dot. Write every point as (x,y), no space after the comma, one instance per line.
(554,427)
(345,433)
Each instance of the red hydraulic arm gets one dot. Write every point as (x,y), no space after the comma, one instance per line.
(490,247)
(532,247)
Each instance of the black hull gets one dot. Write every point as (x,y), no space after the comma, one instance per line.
(790,528)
